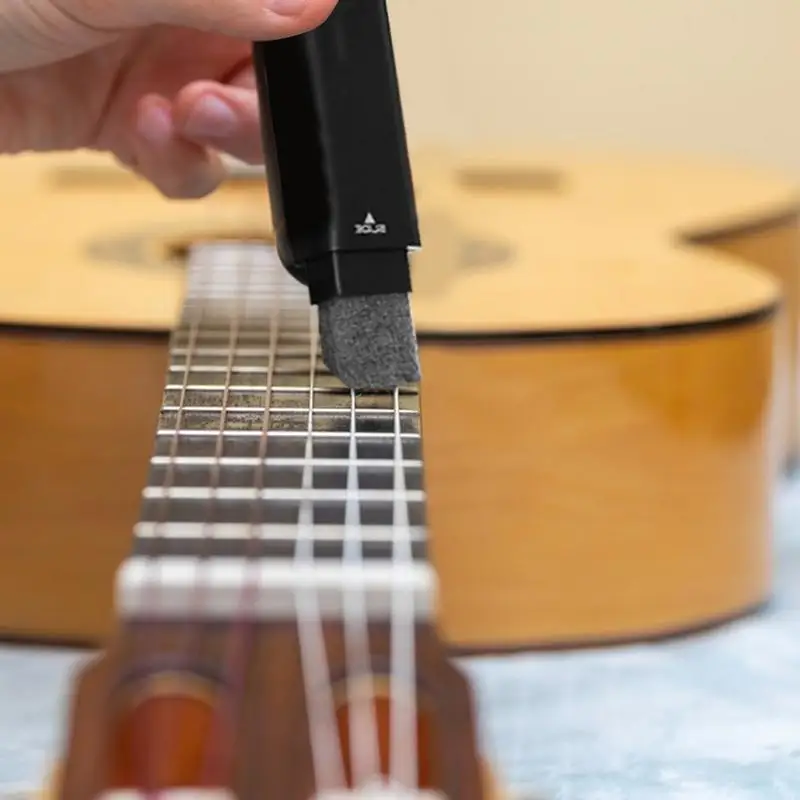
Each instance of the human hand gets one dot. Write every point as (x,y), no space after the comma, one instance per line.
(164,85)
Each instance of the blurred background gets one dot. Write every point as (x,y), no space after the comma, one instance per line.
(718,78)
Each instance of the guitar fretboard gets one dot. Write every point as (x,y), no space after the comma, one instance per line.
(264,461)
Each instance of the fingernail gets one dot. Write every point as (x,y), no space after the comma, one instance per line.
(287,8)
(211,117)
(155,125)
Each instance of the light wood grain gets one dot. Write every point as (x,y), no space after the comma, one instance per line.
(562,240)
(748,213)
(77,417)
(594,491)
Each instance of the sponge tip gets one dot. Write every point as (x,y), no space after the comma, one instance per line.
(369,342)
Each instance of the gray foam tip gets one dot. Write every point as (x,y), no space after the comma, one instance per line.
(369,343)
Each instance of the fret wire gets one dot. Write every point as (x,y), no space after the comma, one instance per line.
(276,461)
(241,369)
(257,389)
(283,493)
(188,530)
(243,351)
(364,435)
(334,412)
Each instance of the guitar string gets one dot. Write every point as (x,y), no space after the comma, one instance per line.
(320,703)
(189,637)
(156,734)
(147,747)
(362,720)
(403,759)
(242,638)
(191,641)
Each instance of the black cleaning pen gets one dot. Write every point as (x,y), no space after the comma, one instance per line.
(341,189)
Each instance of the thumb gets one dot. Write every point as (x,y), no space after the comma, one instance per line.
(245,19)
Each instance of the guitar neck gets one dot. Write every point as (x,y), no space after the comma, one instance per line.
(267,474)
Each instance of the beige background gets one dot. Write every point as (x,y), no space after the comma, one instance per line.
(712,77)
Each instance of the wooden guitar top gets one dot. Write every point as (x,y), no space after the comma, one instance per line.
(572,257)
(689,197)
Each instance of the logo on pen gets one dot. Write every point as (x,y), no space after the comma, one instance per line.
(369,226)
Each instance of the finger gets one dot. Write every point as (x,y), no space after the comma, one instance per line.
(246,19)
(225,118)
(246,78)
(176,167)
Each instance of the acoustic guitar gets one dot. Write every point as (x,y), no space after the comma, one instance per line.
(601,413)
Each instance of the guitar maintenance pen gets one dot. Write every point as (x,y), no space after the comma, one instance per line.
(341,190)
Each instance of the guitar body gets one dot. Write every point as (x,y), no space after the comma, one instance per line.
(602,403)
(748,214)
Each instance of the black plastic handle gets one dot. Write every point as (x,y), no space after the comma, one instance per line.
(336,154)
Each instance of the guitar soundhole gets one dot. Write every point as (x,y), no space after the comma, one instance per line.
(382,710)
(167,735)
